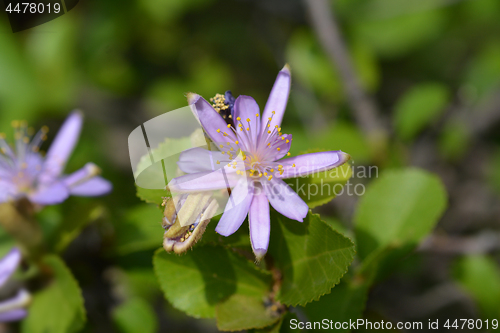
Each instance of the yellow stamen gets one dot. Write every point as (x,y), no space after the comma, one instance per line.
(238,118)
(293,165)
(237,142)
(288,154)
(218,162)
(256,114)
(278,149)
(218,130)
(270,177)
(228,125)
(272,170)
(248,119)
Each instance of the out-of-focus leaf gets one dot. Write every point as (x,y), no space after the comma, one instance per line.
(484,71)
(311,256)
(206,276)
(454,140)
(399,208)
(141,229)
(284,325)
(135,315)
(19,92)
(340,135)
(345,302)
(418,107)
(494,171)
(241,312)
(480,276)
(53,58)
(59,307)
(393,28)
(164,11)
(6,242)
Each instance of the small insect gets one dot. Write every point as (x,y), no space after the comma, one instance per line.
(185,219)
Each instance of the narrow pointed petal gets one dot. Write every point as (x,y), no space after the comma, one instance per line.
(9,264)
(260,223)
(199,160)
(93,187)
(210,120)
(204,181)
(62,147)
(285,200)
(236,209)
(309,163)
(278,98)
(51,194)
(13,315)
(246,108)
(284,146)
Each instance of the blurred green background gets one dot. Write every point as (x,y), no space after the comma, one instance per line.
(433,67)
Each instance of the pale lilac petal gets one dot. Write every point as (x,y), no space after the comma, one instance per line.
(61,148)
(278,98)
(284,146)
(13,315)
(93,187)
(50,194)
(236,209)
(260,223)
(246,108)
(204,181)
(210,120)
(90,170)
(200,160)
(309,163)
(285,200)
(7,190)
(9,264)
(21,300)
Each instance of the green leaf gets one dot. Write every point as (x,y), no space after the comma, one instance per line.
(59,307)
(345,302)
(454,140)
(206,276)
(241,312)
(311,256)
(483,74)
(141,229)
(480,276)
(419,107)
(399,208)
(320,188)
(152,196)
(393,28)
(135,315)
(283,325)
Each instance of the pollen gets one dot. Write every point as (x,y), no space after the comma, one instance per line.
(270,177)
(237,142)
(265,173)
(222,146)
(256,114)
(288,154)
(274,112)
(268,132)
(248,128)
(228,125)
(260,174)
(218,130)
(238,118)
(272,170)
(218,162)
(239,125)
(293,165)
(278,149)
(287,141)
(248,119)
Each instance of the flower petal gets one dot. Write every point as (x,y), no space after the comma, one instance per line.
(260,223)
(21,300)
(278,98)
(9,264)
(204,181)
(309,163)
(51,194)
(236,209)
(285,200)
(247,109)
(92,188)
(61,148)
(210,120)
(199,160)
(13,315)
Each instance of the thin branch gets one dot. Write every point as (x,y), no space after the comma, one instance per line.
(365,111)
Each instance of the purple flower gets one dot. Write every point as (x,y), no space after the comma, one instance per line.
(24,172)
(12,309)
(250,147)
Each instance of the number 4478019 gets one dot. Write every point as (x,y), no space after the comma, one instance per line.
(33,8)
